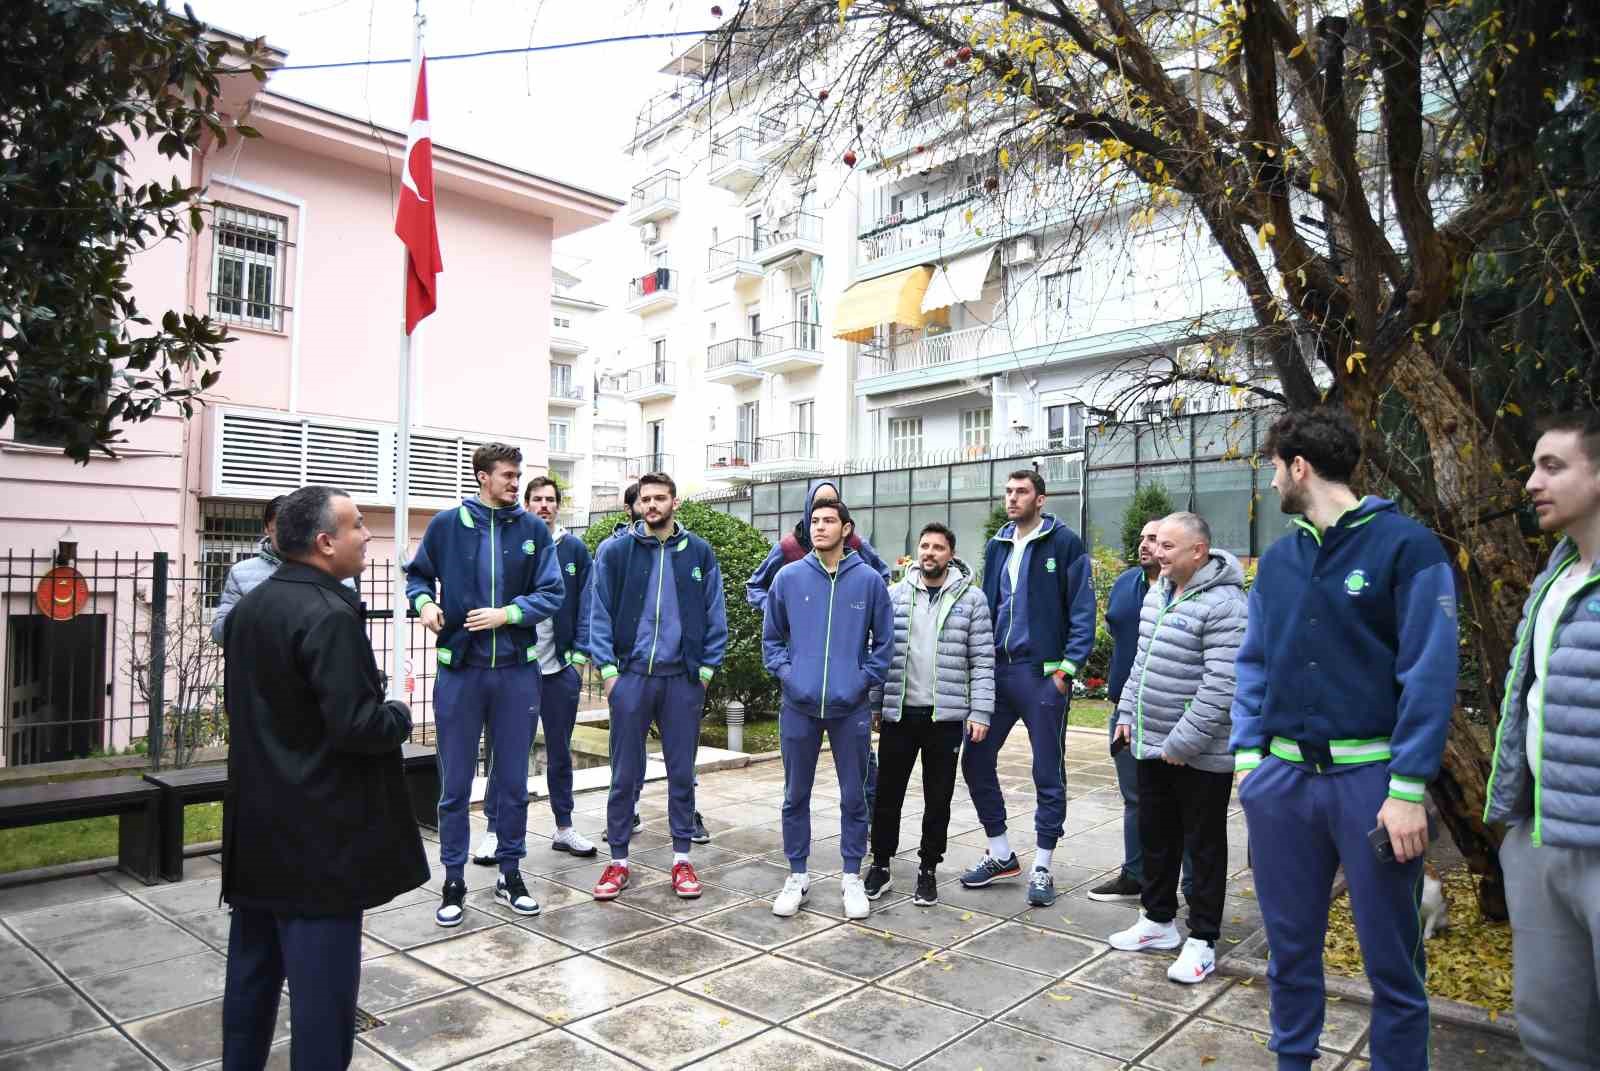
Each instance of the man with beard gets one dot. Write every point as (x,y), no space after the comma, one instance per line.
(1345,685)
(940,679)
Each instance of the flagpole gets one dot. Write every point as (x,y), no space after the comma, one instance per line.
(402,468)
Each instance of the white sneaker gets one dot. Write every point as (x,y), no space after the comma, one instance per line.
(488,844)
(1195,963)
(1146,934)
(856,904)
(795,890)
(570,840)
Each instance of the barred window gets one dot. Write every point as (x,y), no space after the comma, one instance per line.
(247,259)
(229,531)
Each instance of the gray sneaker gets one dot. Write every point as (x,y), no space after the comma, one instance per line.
(1041,888)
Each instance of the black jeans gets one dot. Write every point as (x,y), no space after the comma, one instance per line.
(1184,811)
(899,744)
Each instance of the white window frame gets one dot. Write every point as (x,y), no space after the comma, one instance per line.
(977,428)
(560,384)
(562,443)
(248,253)
(1072,413)
(905,436)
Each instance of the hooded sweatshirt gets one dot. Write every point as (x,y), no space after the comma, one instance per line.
(828,637)
(656,606)
(796,545)
(1046,617)
(563,637)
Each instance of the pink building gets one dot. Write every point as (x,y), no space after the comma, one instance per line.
(299,258)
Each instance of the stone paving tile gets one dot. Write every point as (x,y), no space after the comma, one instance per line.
(1456,1047)
(661,900)
(408,927)
(781,1049)
(590,927)
(101,1050)
(703,856)
(19,899)
(1112,1025)
(1247,1004)
(72,920)
(493,953)
(159,987)
(556,1050)
(996,1046)
(967,983)
(211,926)
(183,897)
(192,1036)
(667,1029)
(98,951)
(280,1055)
(675,955)
(396,980)
(754,924)
(571,989)
(753,877)
(1085,918)
(1042,951)
(888,1027)
(1202,1044)
(44,1015)
(750,841)
(771,988)
(450,1029)
(583,877)
(827,898)
(551,895)
(937,924)
(20,968)
(1144,975)
(859,953)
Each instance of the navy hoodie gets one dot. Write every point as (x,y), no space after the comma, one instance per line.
(1122,621)
(796,545)
(828,638)
(1352,640)
(1049,621)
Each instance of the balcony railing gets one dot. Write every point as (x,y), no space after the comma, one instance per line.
(655,374)
(741,143)
(789,446)
(643,463)
(731,251)
(659,281)
(568,392)
(795,335)
(792,227)
(737,454)
(928,352)
(662,186)
(773,130)
(732,353)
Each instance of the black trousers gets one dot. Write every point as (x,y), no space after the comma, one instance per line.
(321,958)
(899,744)
(1183,810)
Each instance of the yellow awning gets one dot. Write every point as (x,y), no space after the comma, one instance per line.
(888,299)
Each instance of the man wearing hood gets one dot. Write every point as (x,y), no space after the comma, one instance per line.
(658,630)
(797,544)
(1173,715)
(247,573)
(941,677)
(1346,683)
(827,635)
(500,577)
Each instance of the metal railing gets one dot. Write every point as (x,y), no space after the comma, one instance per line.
(931,352)
(246,312)
(740,143)
(794,335)
(789,446)
(731,251)
(732,352)
(643,463)
(654,374)
(657,281)
(737,454)
(571,392)
(773,129)
(792,227)
(662,186)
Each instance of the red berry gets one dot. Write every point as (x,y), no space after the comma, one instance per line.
(716,12)
(822,94)
(849,158)
(963,53)
(919,148)
(949,61)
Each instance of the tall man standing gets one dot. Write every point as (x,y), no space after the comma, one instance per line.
(499,571)
(1546,779)
(319,826)
(658,630)
(827,635)
(1036,578)
(1346,681)
(560,652)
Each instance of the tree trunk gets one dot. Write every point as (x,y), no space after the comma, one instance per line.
(1459,793)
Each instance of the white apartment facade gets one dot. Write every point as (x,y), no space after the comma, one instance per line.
(588,420)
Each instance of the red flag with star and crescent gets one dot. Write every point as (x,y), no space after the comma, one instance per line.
(414,220)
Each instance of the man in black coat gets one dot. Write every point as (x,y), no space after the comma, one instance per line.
(319,828)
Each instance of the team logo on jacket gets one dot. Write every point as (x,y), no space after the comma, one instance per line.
(1355,582)
(572,568)
(1049,565)
(695,572)
(1593,606)
(862,605)
(527,546)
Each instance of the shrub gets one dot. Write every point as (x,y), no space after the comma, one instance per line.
(1150,503)
(740,550)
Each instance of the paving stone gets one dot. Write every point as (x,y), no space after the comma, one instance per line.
(450,1029)
(150,939)
(552,896)
(661,900)
(888,1027)
(280,1057)
(159,987)
(211,926)
(69,920)
(827,898)
(857,952)
(974,985)
(571,989)
(753,877)
(408,927)
(667,1029)
(938,924)
(750,841)
(100,1050)
(1042,951)
(553,1050)
(703,856)
(20,968)
(755,924)
(20,899)
(1457,1047)
(192,1036)
(676,954)
(1344,1022)
(182,898)
(1099,1021)
(593,926)
(1001,901)
(44,1015)
(493,953)
(1203,1044)
(781,1049)
(1144,975)
(584,876)
(395,980)
(1086,918)
(771,988)
(993,1045)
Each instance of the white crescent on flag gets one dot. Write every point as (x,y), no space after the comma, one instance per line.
(420,130)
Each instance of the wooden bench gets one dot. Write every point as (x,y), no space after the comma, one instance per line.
(421,765)
(135,804)
(179,788)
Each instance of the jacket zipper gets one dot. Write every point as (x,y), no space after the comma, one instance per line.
(1145,672)
(494,636)
(1544,681)
(827,642)
(1011,618)
(661,578)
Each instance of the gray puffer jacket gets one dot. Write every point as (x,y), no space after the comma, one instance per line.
(1564,800)
(965,654)
(1181,689)
(243,577)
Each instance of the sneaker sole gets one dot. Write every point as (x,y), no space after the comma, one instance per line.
(1040,902)
(684,894)
(1002,876)
(700,840)
(449,924)
(885,887)
(609,896)
(1149,946)
(557,846)
(791,914)
(920,902)
(1192,981)
(857,918)
(521,911)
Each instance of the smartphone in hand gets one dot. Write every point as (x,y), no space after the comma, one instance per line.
(1118,743)
(1379,839)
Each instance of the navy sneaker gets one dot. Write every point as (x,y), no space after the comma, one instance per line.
(927,892)
(990,870)
(878,881)
(511,891)
(700,835)
(1041,888)
(451,910)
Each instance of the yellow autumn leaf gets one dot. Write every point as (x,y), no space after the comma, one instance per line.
(1297,49)
(1550,295)
(1005,158)
(1463,559)
(1436,328)
(1513,408)
(844,9)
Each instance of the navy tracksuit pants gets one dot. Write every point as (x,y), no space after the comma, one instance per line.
(558,713)
(465,700)
(674,703)
(1307,825)
(1022,694)
(320,958)
(850,738)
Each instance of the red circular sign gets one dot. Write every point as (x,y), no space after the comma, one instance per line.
(62,593)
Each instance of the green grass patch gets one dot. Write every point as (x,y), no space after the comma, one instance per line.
(1089,713)
(759,736)
(91,838)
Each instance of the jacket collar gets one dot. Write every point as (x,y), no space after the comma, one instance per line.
(957,577)
(1008,531)
(265,549)
(300,573)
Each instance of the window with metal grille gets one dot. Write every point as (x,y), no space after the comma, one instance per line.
(247,267)
(229,532)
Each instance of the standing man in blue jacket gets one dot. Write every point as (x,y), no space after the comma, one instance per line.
(498,567)
(1346,682)
(1036,576)
(561,640)
(658,630)
(828,636)
(1546,780)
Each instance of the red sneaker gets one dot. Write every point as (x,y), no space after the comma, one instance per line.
(684,881)
(612,881)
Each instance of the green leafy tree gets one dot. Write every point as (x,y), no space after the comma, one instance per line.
(84,81)
(996,521)
(740,550)
(1151,502)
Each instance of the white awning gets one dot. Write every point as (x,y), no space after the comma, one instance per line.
(926,395)
(958,281)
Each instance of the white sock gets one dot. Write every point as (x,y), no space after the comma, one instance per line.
(1000,847)
(679,857)
(623,862)
(1041,858)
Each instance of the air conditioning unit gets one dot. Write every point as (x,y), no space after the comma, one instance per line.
(650,233)
(1018,251)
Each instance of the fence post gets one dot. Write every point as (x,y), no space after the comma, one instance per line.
(158,656)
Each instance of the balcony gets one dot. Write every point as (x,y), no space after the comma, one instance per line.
(790,347)
(730,461)
(733,258)
(567,396)
(562,450)
(609,448)
(789,450)
(635,467)
(775,135)
(651,292)
(656,198)
(735,163)
(567,345)
(794,232)
(650,382)
(937,357)
(733,362)
(943,226)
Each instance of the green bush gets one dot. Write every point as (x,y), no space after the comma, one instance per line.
(1150,503)
(740,551)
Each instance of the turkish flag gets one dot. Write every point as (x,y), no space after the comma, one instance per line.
(414,220)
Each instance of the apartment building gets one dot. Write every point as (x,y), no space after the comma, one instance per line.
(588,423)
